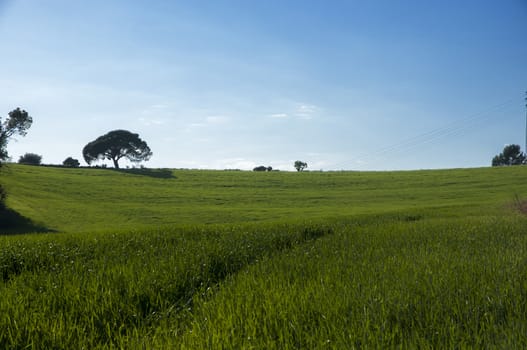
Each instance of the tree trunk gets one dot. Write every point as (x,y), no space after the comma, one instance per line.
(115,163)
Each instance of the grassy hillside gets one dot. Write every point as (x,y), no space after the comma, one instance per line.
(242,260)
(74,200)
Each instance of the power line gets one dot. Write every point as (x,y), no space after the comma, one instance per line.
(454,128)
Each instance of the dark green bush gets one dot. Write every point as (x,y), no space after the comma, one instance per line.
(71,162)
(30,159)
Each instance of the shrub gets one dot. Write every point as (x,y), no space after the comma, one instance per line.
(71,162)
(30,159)
(263,168)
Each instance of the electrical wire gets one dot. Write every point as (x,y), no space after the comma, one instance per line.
(457,127)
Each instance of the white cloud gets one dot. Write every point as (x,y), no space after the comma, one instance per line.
(297,111)
(150,121)
(217,119)
(235,163)
(306,111)
(159,106)
(190,127)
(279,115)
(208,121)
(154,114)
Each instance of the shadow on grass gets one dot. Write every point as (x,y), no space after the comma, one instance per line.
(12,223)
(155,173)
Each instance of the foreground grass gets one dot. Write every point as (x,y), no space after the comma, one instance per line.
(425,259)
(66,291)
(430,285)
(372,283)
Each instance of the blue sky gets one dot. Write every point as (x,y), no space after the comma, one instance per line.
(356,85)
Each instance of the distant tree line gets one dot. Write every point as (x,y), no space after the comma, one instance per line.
(35,159)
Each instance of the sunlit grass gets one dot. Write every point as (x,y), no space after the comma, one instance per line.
(452,284)
(71,291)
(242,260)
(87,200)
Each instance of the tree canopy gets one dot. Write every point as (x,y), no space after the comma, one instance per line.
(263,168)
(300,166)
(511,155)
(17,122)
(30,159)
(71,162)
(115,145)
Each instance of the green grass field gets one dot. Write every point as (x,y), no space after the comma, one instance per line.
(244,260)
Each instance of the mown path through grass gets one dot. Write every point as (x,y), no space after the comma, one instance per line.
(66,291)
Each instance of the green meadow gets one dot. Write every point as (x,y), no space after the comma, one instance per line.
(196,259)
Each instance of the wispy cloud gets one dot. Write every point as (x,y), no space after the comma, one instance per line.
(150,121)
(153,115)
(192,126)
(297,111)
(208,121)
(235,163)
(279,115)
(217,119)
(306,111)
(158,106)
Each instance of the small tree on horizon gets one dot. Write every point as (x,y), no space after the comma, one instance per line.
(511,155)
(115,145)
(300,166)
(71,162)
